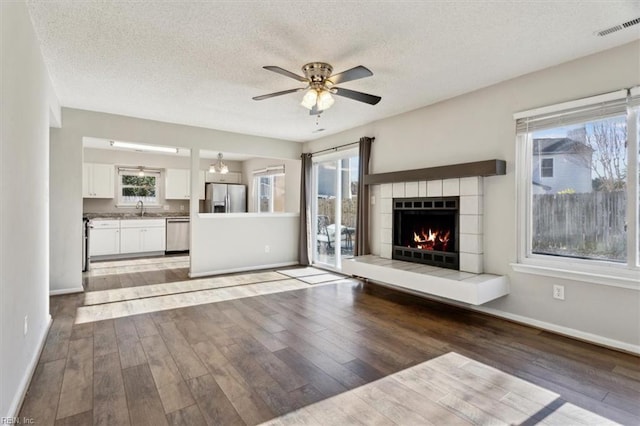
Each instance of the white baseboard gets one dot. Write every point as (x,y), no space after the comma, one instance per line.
(16,404)
(543,325)
(559,329)
(242,269)
(66,291)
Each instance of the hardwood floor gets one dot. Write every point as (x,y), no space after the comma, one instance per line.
(345,353)
(113,274)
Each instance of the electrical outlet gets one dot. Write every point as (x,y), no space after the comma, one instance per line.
(182,207)
(267,249)
(373,200)
(26,324)
(558,292)
(166,207)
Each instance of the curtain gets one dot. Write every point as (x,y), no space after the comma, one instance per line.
(305,238)
(361,246)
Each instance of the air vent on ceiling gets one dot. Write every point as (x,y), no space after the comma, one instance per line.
(618,27)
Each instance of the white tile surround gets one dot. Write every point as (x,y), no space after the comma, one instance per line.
(470,231)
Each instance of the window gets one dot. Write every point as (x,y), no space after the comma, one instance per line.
(269,187)
(546,168)
(578,187)
(136,185)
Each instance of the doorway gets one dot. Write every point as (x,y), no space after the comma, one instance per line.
(335,185)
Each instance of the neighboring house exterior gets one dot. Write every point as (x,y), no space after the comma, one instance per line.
(561,164)
(327,180)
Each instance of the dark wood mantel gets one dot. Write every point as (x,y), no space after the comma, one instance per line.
(476,168)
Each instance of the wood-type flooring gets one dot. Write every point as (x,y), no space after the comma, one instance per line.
(345,353)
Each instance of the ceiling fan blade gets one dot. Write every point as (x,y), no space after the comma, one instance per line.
(285,73)
(352,74)
(271,95)
(356,96)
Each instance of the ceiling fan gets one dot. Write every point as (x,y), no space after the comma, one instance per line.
(321,85)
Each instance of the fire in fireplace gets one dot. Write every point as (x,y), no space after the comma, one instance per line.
(425,230)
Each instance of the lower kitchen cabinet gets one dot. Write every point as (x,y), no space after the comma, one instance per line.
(105,238)
(142,235)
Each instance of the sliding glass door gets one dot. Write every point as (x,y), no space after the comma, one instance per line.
(335,183)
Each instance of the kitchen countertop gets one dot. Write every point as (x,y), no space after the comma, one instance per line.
(129,216)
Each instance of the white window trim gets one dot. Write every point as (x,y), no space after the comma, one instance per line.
(584,270)
(122,204)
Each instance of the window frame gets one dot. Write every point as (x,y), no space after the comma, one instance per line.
(543,167)
(604,272)
(134,172)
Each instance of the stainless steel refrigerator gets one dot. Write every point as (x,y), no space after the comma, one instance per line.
(225,198)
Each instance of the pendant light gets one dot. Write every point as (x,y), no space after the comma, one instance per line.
(219,166)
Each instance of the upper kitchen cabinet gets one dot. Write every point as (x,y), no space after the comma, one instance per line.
(231,177)
(98,180)
(178,184)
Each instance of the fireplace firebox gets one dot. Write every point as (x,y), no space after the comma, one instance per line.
(425,230)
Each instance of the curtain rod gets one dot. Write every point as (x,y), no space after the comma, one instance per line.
(335,148)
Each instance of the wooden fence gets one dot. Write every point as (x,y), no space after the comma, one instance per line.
(327,207)
(584,225)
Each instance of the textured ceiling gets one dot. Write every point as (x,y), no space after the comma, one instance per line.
(200,63)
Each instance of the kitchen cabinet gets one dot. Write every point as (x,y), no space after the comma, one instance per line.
(98,180)
(104,237)
(231,177)
(142,235)
(178,184)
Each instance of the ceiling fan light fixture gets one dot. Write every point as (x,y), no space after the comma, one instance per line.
(321,84)
(325,100)
(309,99)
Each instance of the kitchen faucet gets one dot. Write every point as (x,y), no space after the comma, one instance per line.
(140,205)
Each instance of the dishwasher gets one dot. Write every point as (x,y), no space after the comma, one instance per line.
(177,234)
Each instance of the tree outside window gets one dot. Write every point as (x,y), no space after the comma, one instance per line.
(134,188)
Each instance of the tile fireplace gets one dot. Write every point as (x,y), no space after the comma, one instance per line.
(425,230)
(467,234)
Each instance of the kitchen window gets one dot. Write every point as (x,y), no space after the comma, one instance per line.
(138,185)
(578,198)
(269,187)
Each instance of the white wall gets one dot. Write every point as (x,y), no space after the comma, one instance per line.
(26,103)
(291,181)
(66,170)
(241,241)
(480,126)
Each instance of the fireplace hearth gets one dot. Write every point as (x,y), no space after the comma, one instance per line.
(425,230)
